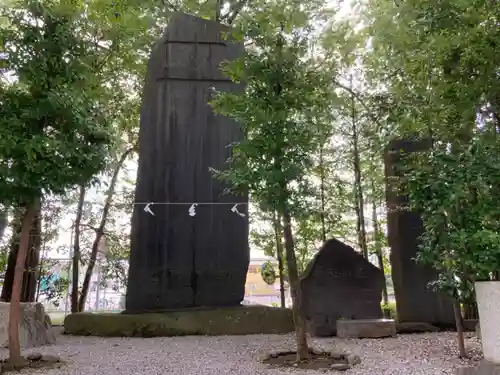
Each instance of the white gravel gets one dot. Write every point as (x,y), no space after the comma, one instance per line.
(419,354)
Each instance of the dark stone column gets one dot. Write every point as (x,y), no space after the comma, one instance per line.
(416,302)
(178,261)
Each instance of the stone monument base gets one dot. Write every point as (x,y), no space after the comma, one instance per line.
(239,320)
(366,328)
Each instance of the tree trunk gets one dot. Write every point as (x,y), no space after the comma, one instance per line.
(100,230)
(218,10)
(378,248)
(15,303)
(358,187)
(30,277)
(460,329)
(4,220)
(293,278)
(322,194)
(279,254)
(76,252)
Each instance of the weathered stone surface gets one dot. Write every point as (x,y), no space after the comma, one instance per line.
(243,320)
(483,368)
(415,327)
(366,328)
(470,325)
(416,302)
(478,331)
(176,260)
(340,283)
(353,359)
(35,328)
(340,366)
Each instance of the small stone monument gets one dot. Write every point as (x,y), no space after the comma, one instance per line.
(35,327)
(340,284)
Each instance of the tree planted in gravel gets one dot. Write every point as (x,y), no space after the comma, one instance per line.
(284,95)
(52,135)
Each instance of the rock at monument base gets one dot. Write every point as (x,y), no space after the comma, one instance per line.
(366,328)
(340,284)
(240,320)
(35,327)
(415,327)
(470,325)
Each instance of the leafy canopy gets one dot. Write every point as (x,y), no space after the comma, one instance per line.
(52,132)
(277,112)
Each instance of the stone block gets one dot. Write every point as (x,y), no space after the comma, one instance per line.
(483,368)
(470,325)
(241,320)
(415,327)
(35,328)
(366,328)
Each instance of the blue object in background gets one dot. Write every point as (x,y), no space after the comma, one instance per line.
(47,282)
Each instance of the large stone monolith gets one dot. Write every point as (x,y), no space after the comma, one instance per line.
(179,261)
(416,301)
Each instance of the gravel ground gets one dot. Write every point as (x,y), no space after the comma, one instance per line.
(419,354)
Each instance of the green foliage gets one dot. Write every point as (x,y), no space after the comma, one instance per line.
(52,132)
(457,195)
(277,113)
(389,310)
(434,68)
(268,273)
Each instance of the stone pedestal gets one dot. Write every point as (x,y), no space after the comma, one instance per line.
(366,328)
(35,328)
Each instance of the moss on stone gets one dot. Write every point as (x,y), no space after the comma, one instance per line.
(241,320)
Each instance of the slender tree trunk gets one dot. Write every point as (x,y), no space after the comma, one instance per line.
(322,193)
(100,230)
(358,187)
(460,329)
(279,254)
(15,303)
(76,252)
(293,278)
(218,10)
(4,220)
(378,248)
(29,283)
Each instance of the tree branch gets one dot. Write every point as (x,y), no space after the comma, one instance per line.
(171,6)
(360,100)
(233,11)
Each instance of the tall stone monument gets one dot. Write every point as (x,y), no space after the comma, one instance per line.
(416,302)
(177,260)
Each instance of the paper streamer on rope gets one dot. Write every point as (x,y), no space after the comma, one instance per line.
(235,210)
(192,208)
(148,209)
